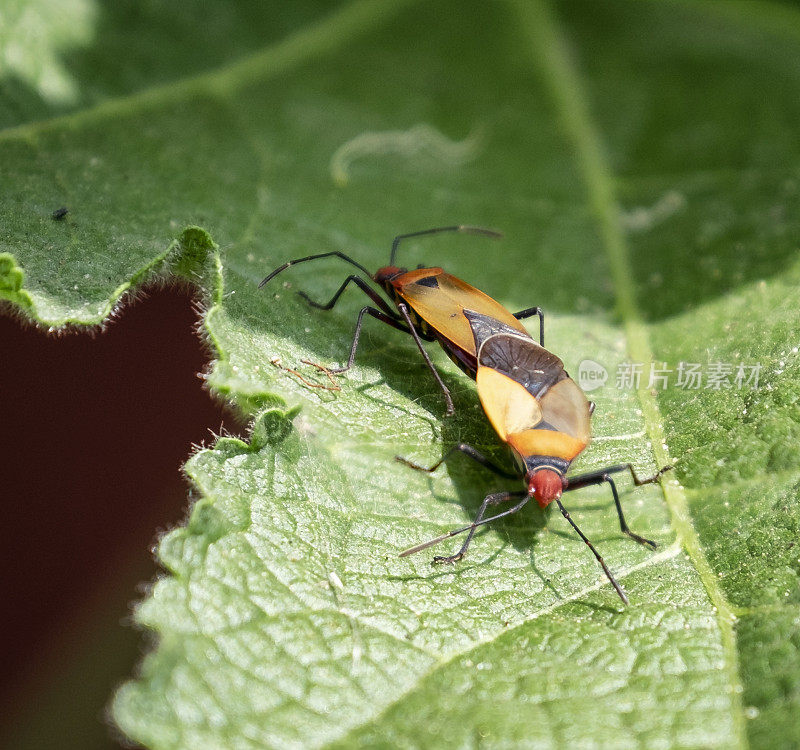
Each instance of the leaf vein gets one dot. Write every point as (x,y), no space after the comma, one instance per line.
(563,79)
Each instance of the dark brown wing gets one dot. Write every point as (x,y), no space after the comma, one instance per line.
(522,360)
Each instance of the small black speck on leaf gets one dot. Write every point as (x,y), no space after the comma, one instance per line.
(59,214)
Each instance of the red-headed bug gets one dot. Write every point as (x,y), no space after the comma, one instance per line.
(544,418)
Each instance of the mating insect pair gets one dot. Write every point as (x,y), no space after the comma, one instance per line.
(530,400)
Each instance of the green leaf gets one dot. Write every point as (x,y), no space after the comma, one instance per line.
(642,161)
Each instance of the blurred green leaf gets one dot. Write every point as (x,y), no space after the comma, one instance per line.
(642,161)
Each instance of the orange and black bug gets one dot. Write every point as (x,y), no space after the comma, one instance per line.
(430,302)
(544,418)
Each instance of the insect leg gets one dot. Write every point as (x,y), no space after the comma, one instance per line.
(371,293)
(527,313)
(468,450)
(448,400)
(623,524)
(603,475)
(357,335)
(586,541)
(622,467)
(479,521)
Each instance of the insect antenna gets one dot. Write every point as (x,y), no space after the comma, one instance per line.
(294,262)
(456,532)
(462,228)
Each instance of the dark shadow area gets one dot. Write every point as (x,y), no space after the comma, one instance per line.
(164,42)
(95,430)
(472,482)
(702,142)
